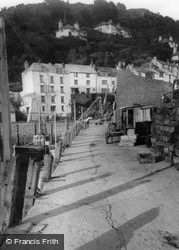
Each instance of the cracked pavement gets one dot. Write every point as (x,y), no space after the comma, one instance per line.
(101,198)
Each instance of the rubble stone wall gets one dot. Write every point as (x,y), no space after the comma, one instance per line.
(165,132)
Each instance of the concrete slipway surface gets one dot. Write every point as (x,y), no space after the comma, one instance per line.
(101,198)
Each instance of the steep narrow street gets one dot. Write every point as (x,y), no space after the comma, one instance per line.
(101,198)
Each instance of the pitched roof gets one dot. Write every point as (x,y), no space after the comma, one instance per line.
(111,71)
(75,68)
(132,89)
(45,67)
(110,22)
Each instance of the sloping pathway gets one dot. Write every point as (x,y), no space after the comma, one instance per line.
(101,198)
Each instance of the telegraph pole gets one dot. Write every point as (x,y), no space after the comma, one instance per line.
(4,96)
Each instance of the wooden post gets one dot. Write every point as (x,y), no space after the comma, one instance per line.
(31,186)
(18,141)
(74,107)
(35,128)
(4,95)
(1,148)
(55,128)
(9,184)
(47,167)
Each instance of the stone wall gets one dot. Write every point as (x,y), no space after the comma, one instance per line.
(165,131)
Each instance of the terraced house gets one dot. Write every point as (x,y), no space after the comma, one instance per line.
(48,88)
(45,90)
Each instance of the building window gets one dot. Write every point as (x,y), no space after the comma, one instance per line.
(104,82)
(161,74)
(43,108)
(52,89)
(87,91)
(88,82)
(51,79)
(62,89)
(41,78)
(76,82)
(61,80)
(87,75)
(53,108)
(42,98)
(113,82)
(52,99)
(62,99)
(103,90)
(63,109)
(75,74)
(42,89)
(27,110)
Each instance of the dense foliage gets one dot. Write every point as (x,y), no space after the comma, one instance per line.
(30,33)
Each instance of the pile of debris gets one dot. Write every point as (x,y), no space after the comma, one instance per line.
(128,140)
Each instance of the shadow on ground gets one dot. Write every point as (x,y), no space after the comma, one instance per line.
(109,240)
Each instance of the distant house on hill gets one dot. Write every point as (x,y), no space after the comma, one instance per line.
(112,29)
(69,30)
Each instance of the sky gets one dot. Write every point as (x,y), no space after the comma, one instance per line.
(164,7)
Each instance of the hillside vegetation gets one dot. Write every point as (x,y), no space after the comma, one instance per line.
(30,34)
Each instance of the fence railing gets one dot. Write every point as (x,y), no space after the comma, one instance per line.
(172,95)
(18,196)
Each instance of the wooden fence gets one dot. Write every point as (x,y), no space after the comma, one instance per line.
(16,198)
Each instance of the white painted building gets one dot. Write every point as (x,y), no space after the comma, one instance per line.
(69,30)
(112,29)
(82,78)
(106,80)
(47,88)
(45,91)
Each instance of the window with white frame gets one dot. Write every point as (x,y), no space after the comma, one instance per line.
(62,90)
(75,74)
(42,98)
(62,99)
(51,79)
(41,78)
(52,89)
(87,82)
(42,89)
(61,80)
(53,108)
(104,82)
(76,82)
(52,99)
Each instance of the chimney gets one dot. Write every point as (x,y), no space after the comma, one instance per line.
(92,64)
(175,47)
(60,24)
(26,65)
(77,26)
